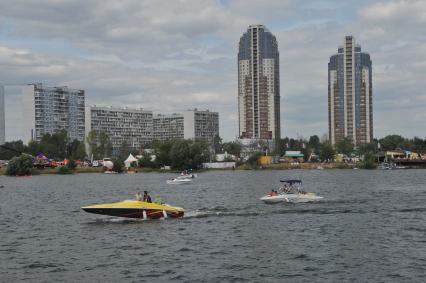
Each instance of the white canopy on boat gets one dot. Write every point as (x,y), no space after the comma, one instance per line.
(130,160)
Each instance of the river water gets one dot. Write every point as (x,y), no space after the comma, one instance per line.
(370,227)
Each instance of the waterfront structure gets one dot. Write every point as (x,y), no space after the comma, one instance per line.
(258,85)
(350,96)
(191,124)
(47,110)
(122,125)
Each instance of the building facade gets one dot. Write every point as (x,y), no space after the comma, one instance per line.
(202,125)
(167,127)
(350,95)
(123,125)
(191,124)
(47,110)
(258,85)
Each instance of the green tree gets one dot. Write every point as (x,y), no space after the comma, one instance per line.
(118,165)
(233,148)
(180,155)
(20,166)
(199,153)
(314,143)
(91,140)
(367,147)
(345,146)
(34,148)
(76,150)
(103,144)
(253,160)
(145,161)
(162,152)
(306,153)
(368,161)
(326,152)
(391,142)
(11,149)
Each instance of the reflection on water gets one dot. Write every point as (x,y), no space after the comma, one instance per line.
(369,227)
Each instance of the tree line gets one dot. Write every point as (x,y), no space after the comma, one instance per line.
(178,154)
(181,153)
(56,146)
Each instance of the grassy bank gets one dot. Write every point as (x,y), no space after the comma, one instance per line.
(49,171)
(288,166)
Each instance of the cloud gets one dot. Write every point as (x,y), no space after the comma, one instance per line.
(168,56)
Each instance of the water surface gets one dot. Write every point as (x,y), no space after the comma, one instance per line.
(371,227)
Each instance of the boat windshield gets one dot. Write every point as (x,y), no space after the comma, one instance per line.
(291,186)
(291,182)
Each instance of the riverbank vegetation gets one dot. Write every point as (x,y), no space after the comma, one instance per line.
(20,166)
(190,154)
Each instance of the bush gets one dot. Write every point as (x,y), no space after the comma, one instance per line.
(368,161)
(71,164)
(327,152)
(64,170)
(145,161)
(118,165)
(253,160)
(20,166)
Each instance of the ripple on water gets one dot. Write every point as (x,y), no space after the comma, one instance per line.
(365,229)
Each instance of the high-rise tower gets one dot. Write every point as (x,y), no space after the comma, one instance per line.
(350,103)
(259,85)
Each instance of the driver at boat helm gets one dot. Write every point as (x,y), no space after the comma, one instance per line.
(146,197)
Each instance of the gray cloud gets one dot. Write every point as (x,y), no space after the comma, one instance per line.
(172,55)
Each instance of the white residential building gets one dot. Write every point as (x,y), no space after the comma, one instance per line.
(191,124)
(123,125)
(47,110)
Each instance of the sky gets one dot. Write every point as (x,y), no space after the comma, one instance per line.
(170,56)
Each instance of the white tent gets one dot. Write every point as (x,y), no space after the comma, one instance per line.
(130,160)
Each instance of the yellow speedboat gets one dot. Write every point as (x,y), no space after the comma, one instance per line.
(136,209)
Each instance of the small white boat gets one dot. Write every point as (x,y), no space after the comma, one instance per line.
(290,192)
(177,181)
(187,175)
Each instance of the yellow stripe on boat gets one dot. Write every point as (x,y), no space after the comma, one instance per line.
(136,205)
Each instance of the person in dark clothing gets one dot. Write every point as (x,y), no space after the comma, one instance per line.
(146,197)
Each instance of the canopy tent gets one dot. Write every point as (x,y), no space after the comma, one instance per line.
(42,156)
(130,160)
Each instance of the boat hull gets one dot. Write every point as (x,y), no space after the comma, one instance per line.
(136,209)
(179,181)
(291,198)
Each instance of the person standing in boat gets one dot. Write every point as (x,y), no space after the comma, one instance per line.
(146,197)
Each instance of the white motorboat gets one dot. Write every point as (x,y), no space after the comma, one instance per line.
(177,181)
(290,192)
(187,176)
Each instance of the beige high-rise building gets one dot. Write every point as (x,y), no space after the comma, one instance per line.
(350,95)
(258,85)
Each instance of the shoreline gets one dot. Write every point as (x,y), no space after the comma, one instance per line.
(279,166)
